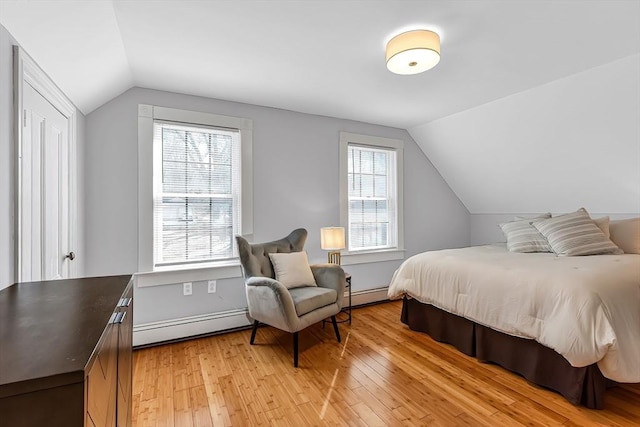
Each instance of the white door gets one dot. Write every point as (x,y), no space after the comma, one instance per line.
(44,191)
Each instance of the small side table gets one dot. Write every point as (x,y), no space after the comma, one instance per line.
(347,309)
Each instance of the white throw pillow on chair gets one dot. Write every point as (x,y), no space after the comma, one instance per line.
(292,269)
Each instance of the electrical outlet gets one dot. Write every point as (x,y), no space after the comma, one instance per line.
(187,288)
(212,286)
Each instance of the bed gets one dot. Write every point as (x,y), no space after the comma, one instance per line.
(571,324)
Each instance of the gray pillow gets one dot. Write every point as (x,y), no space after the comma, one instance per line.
(532,218)
(603,225)
(523,237)
(575,234)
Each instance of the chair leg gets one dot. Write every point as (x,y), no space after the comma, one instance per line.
(253,331)
(335,327)
(295,349)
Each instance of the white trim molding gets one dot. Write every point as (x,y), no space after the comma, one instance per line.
(376,255)
(184,327)
(369,296)
(26,70)
(148,274)
(227,270)
(351,258)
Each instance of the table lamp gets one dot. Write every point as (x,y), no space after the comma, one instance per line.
(332,240)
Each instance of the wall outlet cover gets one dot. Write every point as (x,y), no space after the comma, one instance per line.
(212,286)
(187,288)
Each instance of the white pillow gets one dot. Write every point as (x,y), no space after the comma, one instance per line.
(292,269)
(625,234)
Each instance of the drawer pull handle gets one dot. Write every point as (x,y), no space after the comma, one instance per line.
(113,318)
(125,302)
(119,317)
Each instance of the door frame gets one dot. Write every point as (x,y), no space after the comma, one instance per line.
(27,71)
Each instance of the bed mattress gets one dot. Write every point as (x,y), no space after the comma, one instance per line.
(585,308)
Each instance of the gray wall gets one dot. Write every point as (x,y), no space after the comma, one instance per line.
(81,255)
(7,168)
(295,185)
(7,183)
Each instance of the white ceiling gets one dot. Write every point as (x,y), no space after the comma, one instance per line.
(319,57)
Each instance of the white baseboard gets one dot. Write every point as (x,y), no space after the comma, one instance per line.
(368,296)
(166,330)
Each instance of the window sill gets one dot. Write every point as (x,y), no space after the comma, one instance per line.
(173,275)
(372,256)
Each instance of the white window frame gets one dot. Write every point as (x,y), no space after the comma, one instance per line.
(148,274)
(371,255)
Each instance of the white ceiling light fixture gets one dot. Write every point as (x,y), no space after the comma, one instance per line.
(413,52)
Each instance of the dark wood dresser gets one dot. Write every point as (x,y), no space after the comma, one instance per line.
(65,353)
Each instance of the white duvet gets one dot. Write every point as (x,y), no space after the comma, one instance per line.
(585,308)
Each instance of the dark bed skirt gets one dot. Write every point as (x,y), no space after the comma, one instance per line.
(537,363)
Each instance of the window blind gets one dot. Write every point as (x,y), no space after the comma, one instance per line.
(196,193)
(372,199)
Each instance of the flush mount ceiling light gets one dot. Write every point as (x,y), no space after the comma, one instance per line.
(413,52)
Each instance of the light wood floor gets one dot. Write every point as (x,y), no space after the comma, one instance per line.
(382,374)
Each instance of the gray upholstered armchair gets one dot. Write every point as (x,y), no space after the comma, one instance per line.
(291,310)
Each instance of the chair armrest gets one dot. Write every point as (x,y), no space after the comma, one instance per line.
(330,276)
(264,281)
(273,288)
(270,302)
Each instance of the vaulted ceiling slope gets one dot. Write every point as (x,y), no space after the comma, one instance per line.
(569,143)
(319,57)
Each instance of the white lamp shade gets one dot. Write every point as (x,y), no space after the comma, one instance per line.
(332,238)
(413,52)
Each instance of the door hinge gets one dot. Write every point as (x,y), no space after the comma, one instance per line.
(24,118)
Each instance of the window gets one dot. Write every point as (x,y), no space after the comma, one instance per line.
(196,193)
(195,175)
(372,202)
(371,190)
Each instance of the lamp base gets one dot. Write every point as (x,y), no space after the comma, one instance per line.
(334,258)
